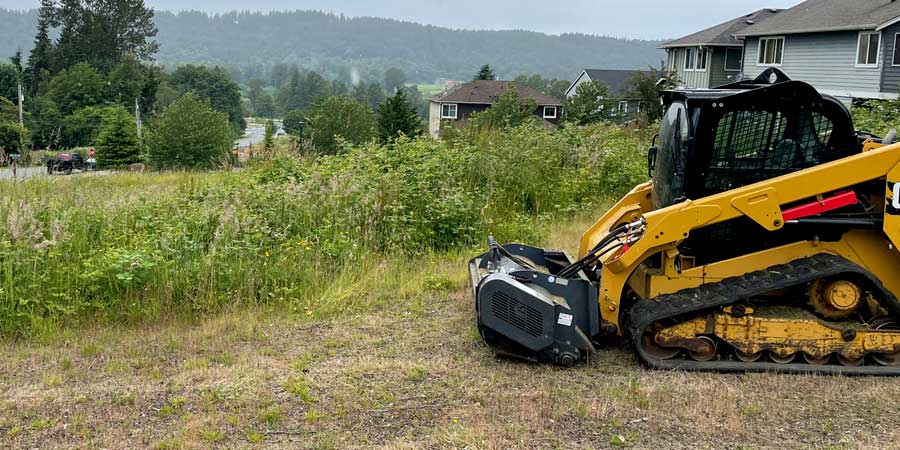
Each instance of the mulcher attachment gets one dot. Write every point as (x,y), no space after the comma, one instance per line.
(525,311)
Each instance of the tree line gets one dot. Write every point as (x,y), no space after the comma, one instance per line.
(91,80)
(246,44)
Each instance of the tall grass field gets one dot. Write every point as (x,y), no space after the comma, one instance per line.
(293,232)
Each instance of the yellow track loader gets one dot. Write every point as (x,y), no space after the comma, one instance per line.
(766,241)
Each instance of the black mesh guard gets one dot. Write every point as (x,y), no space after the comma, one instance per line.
(755,145)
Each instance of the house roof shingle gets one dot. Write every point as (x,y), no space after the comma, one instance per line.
(485,92)
(616,81)
(814,16)
(723,34)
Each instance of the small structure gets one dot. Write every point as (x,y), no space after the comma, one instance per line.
(454,106)
(616,82)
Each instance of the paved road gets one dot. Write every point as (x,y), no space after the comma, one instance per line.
(256,132)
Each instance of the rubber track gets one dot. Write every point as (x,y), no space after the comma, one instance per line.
(709,297)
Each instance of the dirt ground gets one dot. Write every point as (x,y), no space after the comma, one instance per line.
(409,375)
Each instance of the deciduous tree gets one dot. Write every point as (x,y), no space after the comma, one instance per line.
(340,117)
(214,85)
(588,104)
(394,79)
(190,135)
(509,110)
(646,86)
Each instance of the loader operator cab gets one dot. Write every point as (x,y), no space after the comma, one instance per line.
(715,140)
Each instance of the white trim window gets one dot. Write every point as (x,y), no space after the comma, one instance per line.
(702,59)
(449,110)
(771,51)
(734,59)
(896,59)
(623,107)
(688,60)
(868,50)
(550,112)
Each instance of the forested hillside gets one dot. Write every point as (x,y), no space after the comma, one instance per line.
(342,48)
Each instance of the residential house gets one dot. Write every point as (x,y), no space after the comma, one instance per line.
(616,82)
(457,104)
(714,56)
(849,49)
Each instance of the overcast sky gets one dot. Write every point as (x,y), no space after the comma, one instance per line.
(651,19)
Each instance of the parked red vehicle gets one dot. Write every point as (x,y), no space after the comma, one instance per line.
(65,163)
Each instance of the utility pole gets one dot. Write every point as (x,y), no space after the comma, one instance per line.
(21,109)
(137,119)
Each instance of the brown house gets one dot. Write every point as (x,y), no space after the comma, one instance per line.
(457,104)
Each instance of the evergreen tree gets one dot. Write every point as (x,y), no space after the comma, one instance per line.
(9,82)
(102,32)
(190,135)
(396,116)
(302,91)
(260,100)
(117,142)
(486,73)
(269,139)
(40,61)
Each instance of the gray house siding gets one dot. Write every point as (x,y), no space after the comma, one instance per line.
(717,74)
(825,60)
(890,81)
(688,78)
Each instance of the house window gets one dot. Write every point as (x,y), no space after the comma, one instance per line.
(688,59)
(623,107)
(448,111)
(771,51)
(869,49)
(702,57)
(733,59)
(896,61)
(549,112)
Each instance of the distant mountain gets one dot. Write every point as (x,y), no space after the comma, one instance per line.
(344,48)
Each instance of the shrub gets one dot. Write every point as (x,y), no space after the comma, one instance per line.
(877,116)
(190,135)
(510,110)
(287,231)
(340,117)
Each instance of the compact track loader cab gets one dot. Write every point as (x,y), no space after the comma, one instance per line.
(766,241)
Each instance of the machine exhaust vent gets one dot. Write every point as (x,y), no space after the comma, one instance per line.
(517,314)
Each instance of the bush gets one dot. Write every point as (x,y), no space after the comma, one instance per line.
(877,116)
(117,141)
(340,117)
(287,231)
(190,135)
